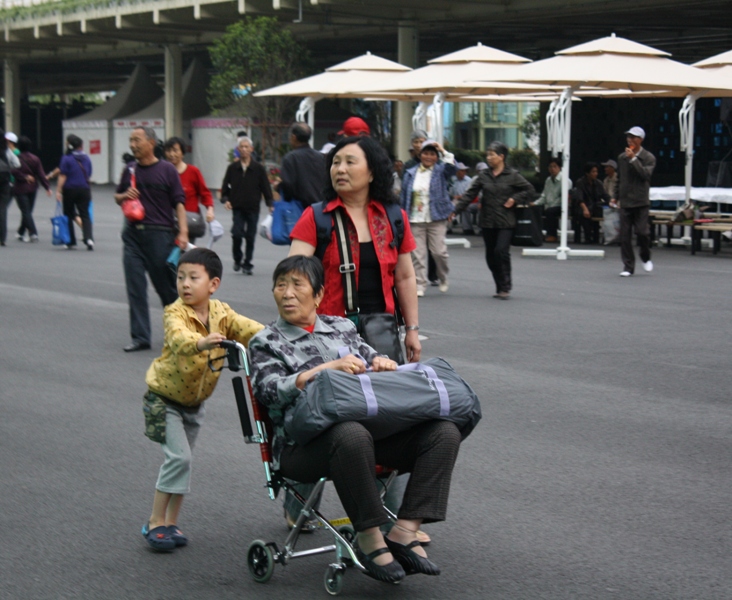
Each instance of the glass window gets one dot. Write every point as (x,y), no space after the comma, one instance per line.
(506,135)
(501,112)
(467,111)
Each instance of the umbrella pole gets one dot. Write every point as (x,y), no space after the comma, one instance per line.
(559,138)
(686,127)
(306,111)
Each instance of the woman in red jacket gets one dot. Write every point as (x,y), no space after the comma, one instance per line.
(194,187)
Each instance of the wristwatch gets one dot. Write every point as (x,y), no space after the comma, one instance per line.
(412,328)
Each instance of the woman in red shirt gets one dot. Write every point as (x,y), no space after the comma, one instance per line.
(194,187)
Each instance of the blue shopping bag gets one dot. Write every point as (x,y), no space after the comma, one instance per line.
(60,224)
(286,213)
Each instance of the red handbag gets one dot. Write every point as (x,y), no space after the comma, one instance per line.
(132,208)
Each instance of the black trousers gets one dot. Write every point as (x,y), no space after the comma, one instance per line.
(146,251)
(498,256)
(26,203)
(551,219)
(76,200)
(244,227)
(591,230)
(348,454)
(634,218)
(5,199)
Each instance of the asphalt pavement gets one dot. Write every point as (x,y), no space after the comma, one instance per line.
(600,470)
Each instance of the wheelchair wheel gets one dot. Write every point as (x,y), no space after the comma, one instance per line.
(260,561)
(348,533)
(334,580)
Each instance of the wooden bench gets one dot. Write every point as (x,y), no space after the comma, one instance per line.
(715,231)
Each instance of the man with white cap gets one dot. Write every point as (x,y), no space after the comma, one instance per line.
(635,167)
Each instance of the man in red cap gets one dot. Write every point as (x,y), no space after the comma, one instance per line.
(355,126)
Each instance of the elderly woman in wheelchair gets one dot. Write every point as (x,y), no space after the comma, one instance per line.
(286,356)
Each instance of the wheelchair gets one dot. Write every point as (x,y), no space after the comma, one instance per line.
(257,429)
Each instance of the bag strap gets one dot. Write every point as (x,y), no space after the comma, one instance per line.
(81,166)
(347,267)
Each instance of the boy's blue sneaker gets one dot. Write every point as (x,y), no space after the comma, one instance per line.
(159,539)
(177,536)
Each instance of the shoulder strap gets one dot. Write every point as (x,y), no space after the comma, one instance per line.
(396,220)
(323,228)
(81,166)
(347,267)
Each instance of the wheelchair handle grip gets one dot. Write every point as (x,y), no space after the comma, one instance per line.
(234,353)
(241,405)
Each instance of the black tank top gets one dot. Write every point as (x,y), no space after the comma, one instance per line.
(370,292)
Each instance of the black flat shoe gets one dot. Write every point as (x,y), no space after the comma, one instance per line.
(135,346)
(389,573)
(410,560)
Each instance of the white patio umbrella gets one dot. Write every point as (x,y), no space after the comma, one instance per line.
(335,81)
(612,63)
(444,78)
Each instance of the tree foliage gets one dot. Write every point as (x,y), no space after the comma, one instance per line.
(257,54)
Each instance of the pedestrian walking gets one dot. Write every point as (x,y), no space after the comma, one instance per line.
(8,162)
(148,242)
(73,190)
(28,177)
(245,183)
(635,167)
(502,188)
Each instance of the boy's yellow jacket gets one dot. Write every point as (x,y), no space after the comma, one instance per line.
(182,373)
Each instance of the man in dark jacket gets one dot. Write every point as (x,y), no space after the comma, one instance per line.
(303,169)
(635,167)
(245,182)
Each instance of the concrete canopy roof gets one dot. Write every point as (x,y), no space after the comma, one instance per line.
(95,44)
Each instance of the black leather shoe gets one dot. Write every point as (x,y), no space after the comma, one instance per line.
(389,573)
(237,266)
(135,346)
(410,560)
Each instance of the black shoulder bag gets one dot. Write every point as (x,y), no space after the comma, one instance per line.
(379,330)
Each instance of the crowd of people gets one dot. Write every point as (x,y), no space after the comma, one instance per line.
(362,248)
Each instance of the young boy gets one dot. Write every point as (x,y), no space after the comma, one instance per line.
(180,380)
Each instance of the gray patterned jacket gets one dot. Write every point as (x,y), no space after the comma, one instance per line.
(281,351)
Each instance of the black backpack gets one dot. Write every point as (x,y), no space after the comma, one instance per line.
(324,226)
(5,176)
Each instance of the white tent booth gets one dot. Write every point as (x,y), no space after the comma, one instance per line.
(95,127)
(194,81)
(213,139)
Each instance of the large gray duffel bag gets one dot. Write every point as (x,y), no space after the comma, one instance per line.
(385,403)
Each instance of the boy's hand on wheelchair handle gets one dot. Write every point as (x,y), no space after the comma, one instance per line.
(212,340)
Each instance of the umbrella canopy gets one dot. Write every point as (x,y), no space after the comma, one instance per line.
(337,80)
(617,63)
(448,74)
(720,65)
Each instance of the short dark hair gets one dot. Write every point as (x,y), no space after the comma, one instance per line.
(381,188)
(556,160)
(25,144)
(208,259)
(309,266)
(498,148)
(301,131)
(173,141)
(74,141)
(591,165)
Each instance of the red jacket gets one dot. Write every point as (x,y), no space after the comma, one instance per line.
(382,236)
(194,187)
